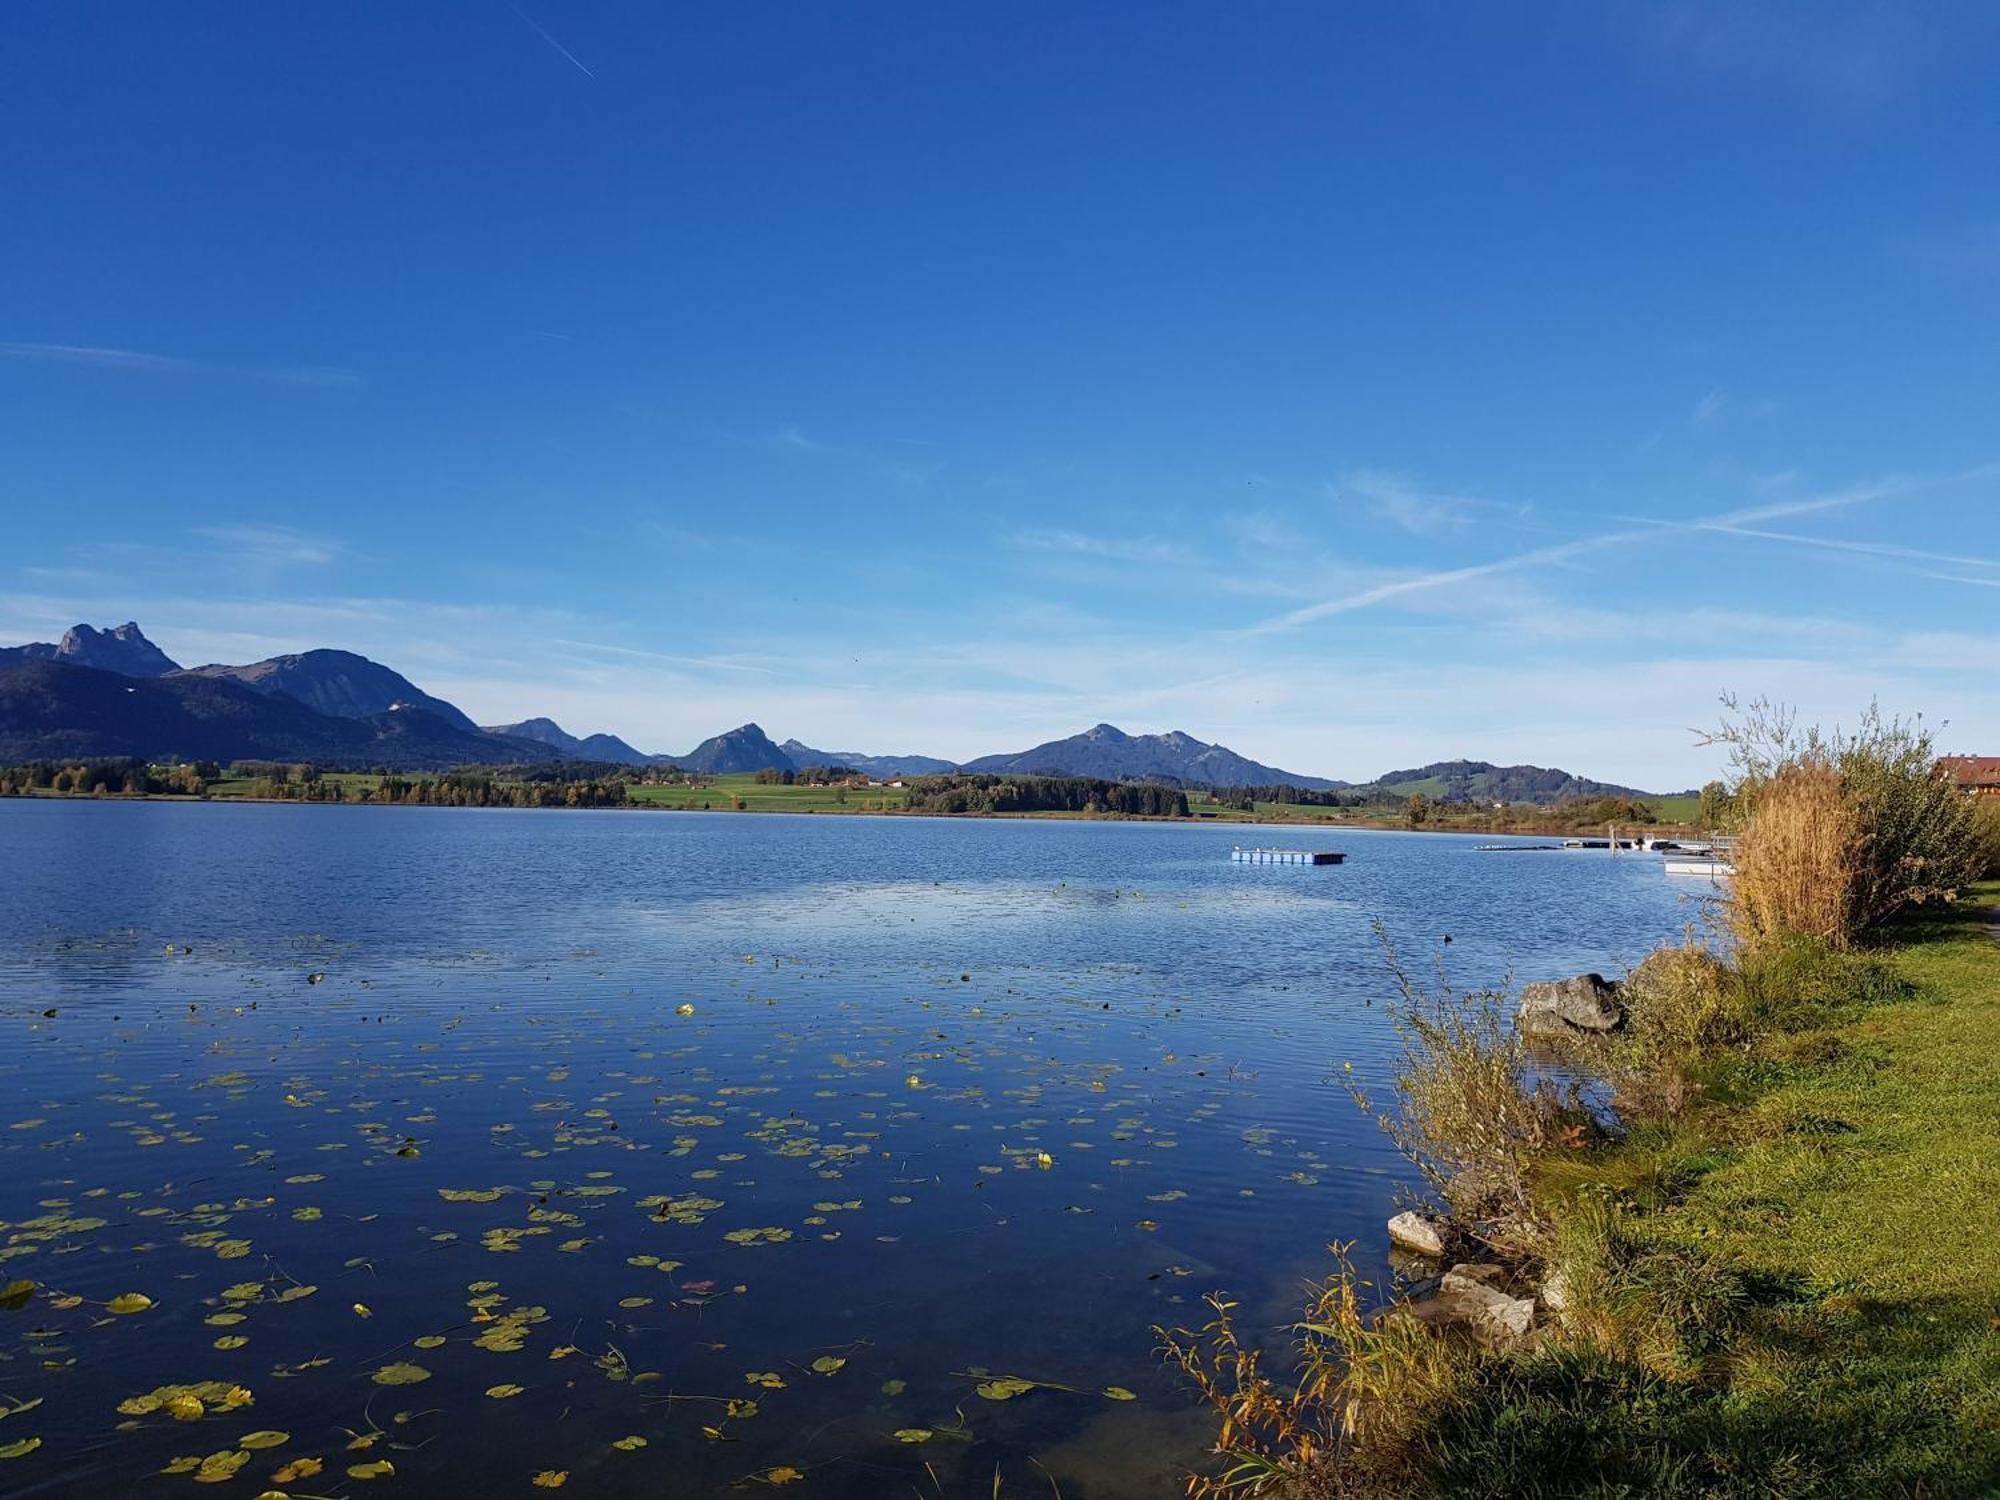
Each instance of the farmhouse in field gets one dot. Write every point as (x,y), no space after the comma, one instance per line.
(1978,775)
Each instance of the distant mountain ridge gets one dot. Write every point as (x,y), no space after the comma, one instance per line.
(123,648)
(1107,751)
(746,748)
(604,747)
(339,683)
(802,756)
(51,710)
(1482,781)
(114,693)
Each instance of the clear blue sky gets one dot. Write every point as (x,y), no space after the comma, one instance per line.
(1355,385)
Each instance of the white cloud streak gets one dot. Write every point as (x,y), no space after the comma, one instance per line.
(568,55)
(1564,551)
(140,362)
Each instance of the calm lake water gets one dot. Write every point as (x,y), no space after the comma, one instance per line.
(841,1117)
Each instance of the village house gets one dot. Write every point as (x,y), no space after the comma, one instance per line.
(1977,774)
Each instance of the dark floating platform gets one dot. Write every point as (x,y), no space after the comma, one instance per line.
(1287,856)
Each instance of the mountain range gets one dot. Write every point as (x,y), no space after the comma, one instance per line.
(875,765)
(123,648)
(51,710)
(1106,751)
(103,693)
(1482,781)
(604,747)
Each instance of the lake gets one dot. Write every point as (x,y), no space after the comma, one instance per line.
(682,1153)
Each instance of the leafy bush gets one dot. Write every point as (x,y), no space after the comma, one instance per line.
(1986,836)
(1679,1009)
(1921,841)
(1844,831)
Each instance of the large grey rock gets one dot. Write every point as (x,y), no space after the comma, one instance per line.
(1583,1003)
(1412,1231)
(1474,1295)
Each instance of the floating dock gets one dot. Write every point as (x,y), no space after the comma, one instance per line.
(1287,856)
(1714,864)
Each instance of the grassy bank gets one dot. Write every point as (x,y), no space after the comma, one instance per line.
(1825,1232)
(1777,1275)
(1781,1277)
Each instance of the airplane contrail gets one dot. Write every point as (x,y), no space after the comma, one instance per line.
(552,41)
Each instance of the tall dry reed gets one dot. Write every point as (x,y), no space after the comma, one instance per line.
(1799,859)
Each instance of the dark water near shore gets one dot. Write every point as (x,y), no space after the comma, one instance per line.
(1000,1096)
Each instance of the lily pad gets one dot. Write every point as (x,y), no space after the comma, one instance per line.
(1006,1388)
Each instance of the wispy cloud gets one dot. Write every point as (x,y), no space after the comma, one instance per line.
(1382,593)
(272,545)
(141,362)
(1850,57)
(1137,549)
(706,663)
(134,360)
(790,436)
(1422,512)
(1890,550)
(1564,551)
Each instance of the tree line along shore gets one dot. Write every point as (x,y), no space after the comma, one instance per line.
(1727,1226)
(569,784)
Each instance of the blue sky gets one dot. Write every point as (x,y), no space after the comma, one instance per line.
(1355,385)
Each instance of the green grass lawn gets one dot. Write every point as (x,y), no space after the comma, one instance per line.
(724,792)
(1869,1180)
(1680,810)
(1846,1178)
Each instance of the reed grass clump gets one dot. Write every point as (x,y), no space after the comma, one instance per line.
(1799,860)
(1473,1112)
(1359,1385)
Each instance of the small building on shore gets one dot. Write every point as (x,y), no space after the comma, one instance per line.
(1976,775)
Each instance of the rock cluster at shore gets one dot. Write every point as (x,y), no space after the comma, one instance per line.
(1485,1299)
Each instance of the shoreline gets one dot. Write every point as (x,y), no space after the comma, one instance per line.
(1484,827)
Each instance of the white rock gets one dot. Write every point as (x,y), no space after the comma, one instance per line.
(1412,1231)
